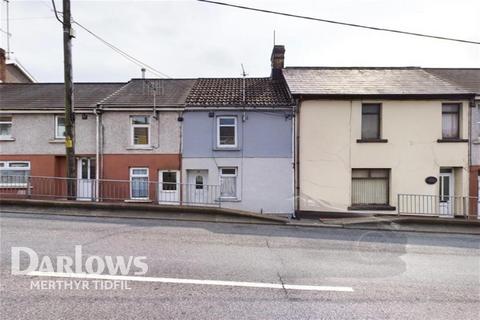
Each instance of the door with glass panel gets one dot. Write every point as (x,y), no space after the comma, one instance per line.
(196,188)
(446,189)
(86,179)
(168,187)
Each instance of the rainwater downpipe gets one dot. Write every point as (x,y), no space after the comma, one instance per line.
(97,153)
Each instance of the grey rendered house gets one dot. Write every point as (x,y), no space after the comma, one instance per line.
(32,126)
(237,133)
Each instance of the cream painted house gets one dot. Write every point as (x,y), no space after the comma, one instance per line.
(367,136)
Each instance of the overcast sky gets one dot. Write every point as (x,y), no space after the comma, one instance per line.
(194,39)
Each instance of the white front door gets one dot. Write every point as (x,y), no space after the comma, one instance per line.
(169,187)
(85,179)
(447,199)
(196,188)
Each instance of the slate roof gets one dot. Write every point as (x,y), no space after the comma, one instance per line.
(38,96)
(140,92)
(367,81)
(259,92)
(468,78)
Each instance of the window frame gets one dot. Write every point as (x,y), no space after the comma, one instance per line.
(221,175)
(459,115)
(6,137)
(235,137)
(132,131)
(132,175)
(379,122)
(369,177)
(56,135)
(6,166)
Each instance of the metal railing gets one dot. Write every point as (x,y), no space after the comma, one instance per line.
(432,205)
(135,190)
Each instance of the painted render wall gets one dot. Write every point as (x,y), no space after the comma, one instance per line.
(35,134)
(164,133)
(262,134)
(263,157)
(263,184)
(328,150)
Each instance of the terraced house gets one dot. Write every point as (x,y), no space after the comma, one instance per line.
(127,135)
(380,139)
(32,127)
(238,134)
(469,78)
(304,139)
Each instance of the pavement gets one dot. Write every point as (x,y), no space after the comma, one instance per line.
(273,271)
(212,214)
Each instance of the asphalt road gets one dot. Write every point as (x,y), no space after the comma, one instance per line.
(392,275)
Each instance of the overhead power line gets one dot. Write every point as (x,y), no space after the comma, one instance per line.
(123,53)
(113,47)
(338,22)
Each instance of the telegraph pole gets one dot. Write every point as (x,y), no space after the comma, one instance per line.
(69,111)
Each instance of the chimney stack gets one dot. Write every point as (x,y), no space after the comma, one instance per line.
(278,60)
(3,71)
(143,72)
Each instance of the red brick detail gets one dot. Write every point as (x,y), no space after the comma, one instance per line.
(117,166)
(41,165)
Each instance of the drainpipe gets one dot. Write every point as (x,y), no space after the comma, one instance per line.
(469,171)
(97,152)
(297,157)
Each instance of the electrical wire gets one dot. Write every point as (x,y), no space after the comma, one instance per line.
(338,22)
(111,46)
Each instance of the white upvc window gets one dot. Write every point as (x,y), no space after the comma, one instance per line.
(227,132)
(140,130)
(59,127)
(370,187)
(139,183)
(228,183)
(14,174)
(5,127)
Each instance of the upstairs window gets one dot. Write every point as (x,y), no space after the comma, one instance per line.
(5,127)
(371,121)
(226,132)
(451,121)
(59,127)
(140,130)
(14,173)
(228,183)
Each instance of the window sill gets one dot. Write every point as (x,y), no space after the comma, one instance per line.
(140,148)
(451,140)
(7,139)
(13,186)
(476,141)
(376,207)
(56,141)
(138,201)
(372,140)
(226,149)
(229,200)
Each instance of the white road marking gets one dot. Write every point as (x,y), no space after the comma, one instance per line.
(191,281)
